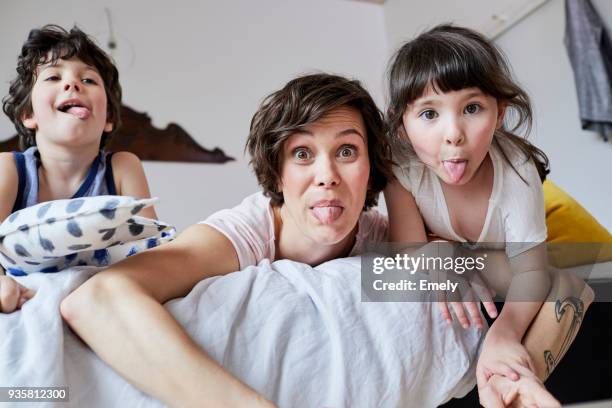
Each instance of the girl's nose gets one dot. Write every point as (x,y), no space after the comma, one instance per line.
(454,134)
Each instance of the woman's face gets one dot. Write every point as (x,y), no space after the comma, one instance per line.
(324,177)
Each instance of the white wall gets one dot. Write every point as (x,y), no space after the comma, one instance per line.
(206,65)
(581,162)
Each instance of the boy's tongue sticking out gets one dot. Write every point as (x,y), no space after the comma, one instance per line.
(455,169)
(79,111)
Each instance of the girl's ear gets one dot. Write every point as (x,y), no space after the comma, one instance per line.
(501,112)
(108,127)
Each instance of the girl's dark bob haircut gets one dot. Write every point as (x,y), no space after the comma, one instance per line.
(450,58)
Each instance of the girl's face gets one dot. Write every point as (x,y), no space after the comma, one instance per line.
(451,132)
(68,104)
(324,177)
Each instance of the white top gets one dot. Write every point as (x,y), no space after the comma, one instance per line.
(515,214)
(250,228)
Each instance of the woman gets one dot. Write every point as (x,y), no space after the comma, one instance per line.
(319,152)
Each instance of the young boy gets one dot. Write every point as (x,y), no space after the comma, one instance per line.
(65,103)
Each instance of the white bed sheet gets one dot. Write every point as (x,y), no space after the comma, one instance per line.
(299,335)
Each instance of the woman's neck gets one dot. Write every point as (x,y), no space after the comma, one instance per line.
(291,243)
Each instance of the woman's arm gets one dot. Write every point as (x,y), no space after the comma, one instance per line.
(130,179)
(118,313)
(557,323)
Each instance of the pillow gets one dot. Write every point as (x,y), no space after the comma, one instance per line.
(574,236)
(98,231)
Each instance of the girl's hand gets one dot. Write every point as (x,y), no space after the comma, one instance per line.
(12,294)
(504,356)
(472,291)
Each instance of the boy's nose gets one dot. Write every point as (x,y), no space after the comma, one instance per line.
(71,84)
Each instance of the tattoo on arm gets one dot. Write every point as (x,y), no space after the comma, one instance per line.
(576,305)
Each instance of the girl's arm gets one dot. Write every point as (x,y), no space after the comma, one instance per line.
(405,222)
(119,314)
(130,179)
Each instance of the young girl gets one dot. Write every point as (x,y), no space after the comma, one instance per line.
(65,103)
(453,111)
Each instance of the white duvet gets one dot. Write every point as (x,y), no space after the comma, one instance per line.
(299,335)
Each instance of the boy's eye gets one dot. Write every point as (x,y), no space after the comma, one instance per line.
(347,152)
(472,108)
(52,78)
(89,81)
(301,154)
(428,114)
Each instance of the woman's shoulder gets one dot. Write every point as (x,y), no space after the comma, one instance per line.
(373,225)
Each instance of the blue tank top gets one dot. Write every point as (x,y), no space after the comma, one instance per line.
(99,180)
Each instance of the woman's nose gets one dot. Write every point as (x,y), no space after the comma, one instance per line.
(327,173)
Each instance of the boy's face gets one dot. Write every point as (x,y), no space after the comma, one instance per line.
(69,105)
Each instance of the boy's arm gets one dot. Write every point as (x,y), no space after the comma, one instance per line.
(12,294)
(405,222)
(130,179)
(118,313)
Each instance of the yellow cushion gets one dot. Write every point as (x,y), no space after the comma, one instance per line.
(573,231)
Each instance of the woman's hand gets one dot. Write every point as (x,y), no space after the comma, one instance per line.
(12,294)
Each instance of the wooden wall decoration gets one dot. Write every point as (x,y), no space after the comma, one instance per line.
(139,136)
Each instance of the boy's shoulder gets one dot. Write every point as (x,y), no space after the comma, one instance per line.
(7,160)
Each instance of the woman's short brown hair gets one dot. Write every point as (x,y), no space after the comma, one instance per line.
(47,45)
(303,101)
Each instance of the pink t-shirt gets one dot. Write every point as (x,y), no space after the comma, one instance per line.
(250,228)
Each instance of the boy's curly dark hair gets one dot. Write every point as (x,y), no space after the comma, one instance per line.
(47,45)
(305,100)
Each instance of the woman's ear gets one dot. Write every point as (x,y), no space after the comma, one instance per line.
(108,127)
(501,112)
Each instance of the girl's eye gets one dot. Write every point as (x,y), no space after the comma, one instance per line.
(89,81)
(52,78)
(472,108)
(347,152)
(301,154)
(428,114)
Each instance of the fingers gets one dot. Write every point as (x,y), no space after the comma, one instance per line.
(13,295)
(485,295)
(473,309)
(460,313)
(9,294)
(443,306)
(490,397)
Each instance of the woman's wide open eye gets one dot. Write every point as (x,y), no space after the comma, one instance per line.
(301,154)
(347,152)
(428,114)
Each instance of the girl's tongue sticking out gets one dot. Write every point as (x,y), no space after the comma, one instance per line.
(455,169)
